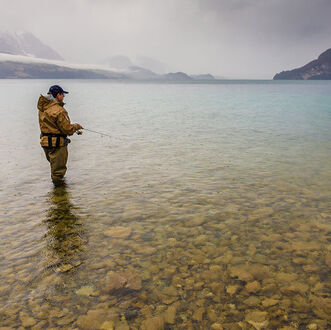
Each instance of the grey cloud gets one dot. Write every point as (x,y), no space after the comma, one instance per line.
(234,37)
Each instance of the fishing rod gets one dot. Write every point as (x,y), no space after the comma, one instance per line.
(90,130)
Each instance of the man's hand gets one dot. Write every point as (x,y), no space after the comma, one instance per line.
(78,127)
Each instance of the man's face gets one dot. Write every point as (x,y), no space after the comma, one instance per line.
(60,97)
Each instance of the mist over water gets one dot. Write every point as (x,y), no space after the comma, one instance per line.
(208,206)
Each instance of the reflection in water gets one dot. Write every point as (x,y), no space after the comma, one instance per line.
(66,236)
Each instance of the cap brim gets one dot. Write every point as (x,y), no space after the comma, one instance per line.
(64,92)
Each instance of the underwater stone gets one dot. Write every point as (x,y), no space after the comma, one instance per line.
(257,319)
(154,323)
(198,220)
(211,314)
(241,272)
(232,289)
(286,277)
(270,302)
(295,287)
(27,320)
(118,232)
(198,314)
(65,320)
(95,318)
(253,287)
(107,325)
(63,268)
(85,291)
(252,301)
(299,261)
(311,268)
(169,291)
(169,315)
(306,246)
(38,326)
(321,306)
(115,281)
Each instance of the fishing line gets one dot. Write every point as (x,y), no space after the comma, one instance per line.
(91,130)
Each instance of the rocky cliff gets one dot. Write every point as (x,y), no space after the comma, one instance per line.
(319,69)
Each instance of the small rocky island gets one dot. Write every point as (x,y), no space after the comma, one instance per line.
(319,69)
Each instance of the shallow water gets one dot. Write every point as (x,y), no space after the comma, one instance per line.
(209,207)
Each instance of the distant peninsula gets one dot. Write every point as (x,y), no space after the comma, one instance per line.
(319,69)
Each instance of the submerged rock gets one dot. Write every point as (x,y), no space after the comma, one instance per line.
(286,277)
(270,302)
(63,268)
(118,232)
(257,319)
(253,287)
(169,315)
(232,289)
(321,306)
(252,301)
(128,280)
(198,314)
(96,317)
(85,291)
(295,287)
(27,320)
(107,325)
(154,323)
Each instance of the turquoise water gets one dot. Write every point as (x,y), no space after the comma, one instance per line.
(208,207)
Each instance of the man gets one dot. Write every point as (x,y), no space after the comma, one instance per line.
(55,125)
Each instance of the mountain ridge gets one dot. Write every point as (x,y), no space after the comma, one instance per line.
(22,67)
(318,69)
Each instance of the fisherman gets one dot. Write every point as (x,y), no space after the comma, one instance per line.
(55,126)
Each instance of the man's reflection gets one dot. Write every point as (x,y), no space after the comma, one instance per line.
(66,236)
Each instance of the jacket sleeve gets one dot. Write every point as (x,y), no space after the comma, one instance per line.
(63,122)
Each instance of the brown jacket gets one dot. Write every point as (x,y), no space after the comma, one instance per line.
(54,119)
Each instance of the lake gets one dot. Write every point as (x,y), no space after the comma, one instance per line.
(207,208)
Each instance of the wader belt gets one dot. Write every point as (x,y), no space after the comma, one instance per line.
(50,136)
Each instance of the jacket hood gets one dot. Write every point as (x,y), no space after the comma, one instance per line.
(45,102)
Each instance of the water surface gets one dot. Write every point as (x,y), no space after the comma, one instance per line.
(208,207)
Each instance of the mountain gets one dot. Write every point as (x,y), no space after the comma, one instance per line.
(119,62)
(319,69)
(16,66)
(206,76)
(26,44)
(178,76)
(24,67)
(151,64)
(138,73)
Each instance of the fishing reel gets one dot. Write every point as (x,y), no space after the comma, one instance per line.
(79,132)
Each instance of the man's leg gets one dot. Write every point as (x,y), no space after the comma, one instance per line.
(47,151)
(58,160)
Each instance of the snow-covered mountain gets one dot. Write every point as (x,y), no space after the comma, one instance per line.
(26,44)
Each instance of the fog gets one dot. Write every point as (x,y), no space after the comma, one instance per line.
(233,38)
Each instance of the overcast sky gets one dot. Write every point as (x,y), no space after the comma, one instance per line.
(232,38)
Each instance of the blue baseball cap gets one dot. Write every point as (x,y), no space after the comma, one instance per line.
(56,89)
